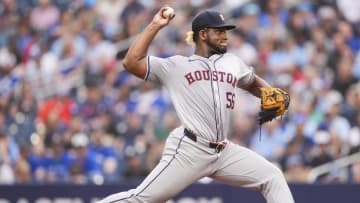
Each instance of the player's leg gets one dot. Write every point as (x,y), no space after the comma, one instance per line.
(160,185)
(239,166)
(179,167)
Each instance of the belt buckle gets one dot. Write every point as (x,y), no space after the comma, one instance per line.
(220,146)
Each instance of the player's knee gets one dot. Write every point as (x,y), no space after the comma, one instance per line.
(275,174)
(275,171)
(275,189)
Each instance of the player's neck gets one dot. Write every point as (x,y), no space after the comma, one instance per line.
(203,52)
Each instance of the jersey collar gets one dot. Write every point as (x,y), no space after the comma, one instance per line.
(211,58)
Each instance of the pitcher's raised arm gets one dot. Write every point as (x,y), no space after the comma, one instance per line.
(135,59)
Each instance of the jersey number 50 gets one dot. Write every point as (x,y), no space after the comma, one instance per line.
(230,96)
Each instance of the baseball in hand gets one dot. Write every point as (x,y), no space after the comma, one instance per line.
(168,12)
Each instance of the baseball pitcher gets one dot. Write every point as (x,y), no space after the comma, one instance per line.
(202,89)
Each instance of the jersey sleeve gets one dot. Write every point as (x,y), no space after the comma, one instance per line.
(246,73)
(158,68)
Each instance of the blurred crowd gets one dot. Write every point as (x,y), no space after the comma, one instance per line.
(69,113)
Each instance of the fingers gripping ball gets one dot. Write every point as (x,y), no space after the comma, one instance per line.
(168,12)
(274,103)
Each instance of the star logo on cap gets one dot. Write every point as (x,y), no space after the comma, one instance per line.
(222,17)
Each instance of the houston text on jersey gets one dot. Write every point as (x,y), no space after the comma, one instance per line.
(216,76)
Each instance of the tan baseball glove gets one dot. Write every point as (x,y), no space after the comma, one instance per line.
(274,103)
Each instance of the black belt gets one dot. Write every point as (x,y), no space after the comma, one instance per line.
(218,146)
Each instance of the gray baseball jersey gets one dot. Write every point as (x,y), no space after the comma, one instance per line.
(202,91)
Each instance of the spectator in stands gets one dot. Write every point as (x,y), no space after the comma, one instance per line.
(92,105)
(56,112)
(272,20)
(280,59)
(337,125)
(109,12)
(354,136)
(271,144)
(356,173)
(293,163)
(7,175)
(69,67)
(247,21)
(132,10)
(322,152)
(135,168)
(327,18)
(60,161)
(134,128)
(243,49)
(346,29)
(318,48)
(339,51)
(101,145)
(38,160)
(344,78)
(44,16)
(99,58)
(22,167)
(22,113)
(9,78)
(85,168)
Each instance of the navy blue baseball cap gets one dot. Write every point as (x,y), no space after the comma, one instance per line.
(210,19)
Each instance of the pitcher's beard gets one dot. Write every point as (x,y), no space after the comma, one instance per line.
(214,49)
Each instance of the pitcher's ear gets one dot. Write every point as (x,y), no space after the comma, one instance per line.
(203,34)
